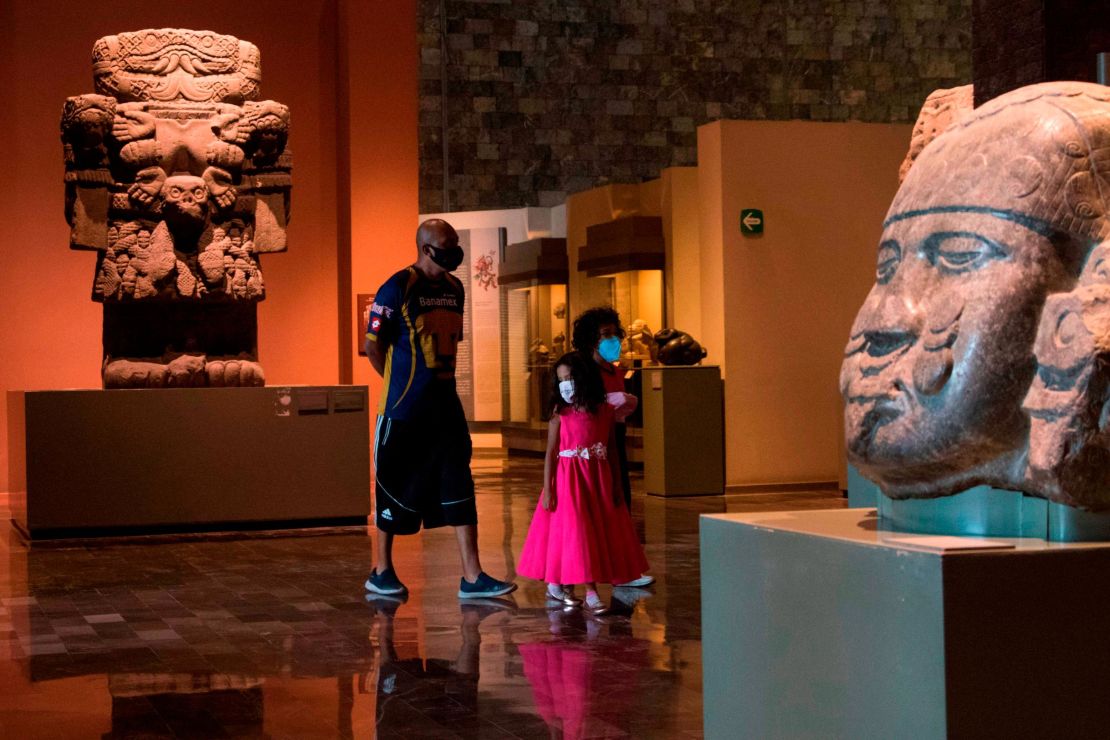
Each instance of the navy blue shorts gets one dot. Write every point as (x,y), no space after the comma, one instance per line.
(422,469)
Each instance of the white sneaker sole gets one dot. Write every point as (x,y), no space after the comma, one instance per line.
(383,591)
(487,594)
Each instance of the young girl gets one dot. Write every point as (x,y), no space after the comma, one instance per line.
(581,531)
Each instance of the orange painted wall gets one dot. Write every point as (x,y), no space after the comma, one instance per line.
(776,310)
(50,330)
(384,188)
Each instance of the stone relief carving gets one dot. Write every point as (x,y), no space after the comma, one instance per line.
(981,354)
(941,109)
(178,176)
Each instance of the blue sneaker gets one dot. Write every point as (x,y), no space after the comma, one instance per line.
(485,587)
(386,583)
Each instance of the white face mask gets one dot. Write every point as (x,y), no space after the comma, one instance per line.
(566,390)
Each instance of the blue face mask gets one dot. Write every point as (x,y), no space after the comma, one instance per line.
(610,349)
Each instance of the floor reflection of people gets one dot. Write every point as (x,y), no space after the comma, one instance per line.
(561,673)
(401,678)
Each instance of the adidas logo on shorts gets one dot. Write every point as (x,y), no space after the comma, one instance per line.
(387,515)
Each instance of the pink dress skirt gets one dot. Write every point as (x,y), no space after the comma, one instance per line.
(589,537)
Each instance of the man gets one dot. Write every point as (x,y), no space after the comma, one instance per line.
(422,445)
(597,335)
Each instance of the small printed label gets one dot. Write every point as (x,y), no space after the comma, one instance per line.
(283,401)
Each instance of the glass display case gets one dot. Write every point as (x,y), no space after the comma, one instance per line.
(537,330)
(637,295)
(534,324)
(623,261)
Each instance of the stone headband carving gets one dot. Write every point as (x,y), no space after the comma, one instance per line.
(981,354)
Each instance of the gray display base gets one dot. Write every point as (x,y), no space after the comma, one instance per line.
(684,448)
(816,625)
(94,463)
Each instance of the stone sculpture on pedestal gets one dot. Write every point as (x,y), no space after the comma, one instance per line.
(981,355)
(640,342)
(674,347)
(178,176)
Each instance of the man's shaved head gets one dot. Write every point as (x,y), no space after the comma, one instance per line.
(436,232)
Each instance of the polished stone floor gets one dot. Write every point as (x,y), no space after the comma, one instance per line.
(272,636)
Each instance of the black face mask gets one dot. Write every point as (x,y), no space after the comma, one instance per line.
(449,258)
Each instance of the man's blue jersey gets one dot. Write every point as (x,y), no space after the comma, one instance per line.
(421,323)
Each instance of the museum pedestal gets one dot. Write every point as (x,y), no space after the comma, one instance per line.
(981,511)
(683,412)
(819,624)
(94,462)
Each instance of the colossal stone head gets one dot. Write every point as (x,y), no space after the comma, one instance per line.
(978,356)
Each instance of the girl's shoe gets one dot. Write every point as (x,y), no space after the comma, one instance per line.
(594,605)
(560,596)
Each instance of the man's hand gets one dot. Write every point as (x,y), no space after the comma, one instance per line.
(547,498)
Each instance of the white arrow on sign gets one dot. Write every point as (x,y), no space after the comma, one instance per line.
(751,221)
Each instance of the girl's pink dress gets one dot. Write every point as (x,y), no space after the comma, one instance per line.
(589,537)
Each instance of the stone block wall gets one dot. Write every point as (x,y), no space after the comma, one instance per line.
(1022,42)
(1009,46)
(541,98)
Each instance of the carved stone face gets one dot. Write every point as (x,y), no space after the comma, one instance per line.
(996,215)
(941,353)
(184,199)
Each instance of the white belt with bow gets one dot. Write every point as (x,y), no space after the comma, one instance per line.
(598,451)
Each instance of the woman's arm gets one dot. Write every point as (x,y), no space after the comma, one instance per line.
(548,498)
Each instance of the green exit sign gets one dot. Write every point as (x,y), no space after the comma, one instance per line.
(751,221)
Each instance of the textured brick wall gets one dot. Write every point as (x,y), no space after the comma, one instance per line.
(1009,46)
(549,97)
(1021,42)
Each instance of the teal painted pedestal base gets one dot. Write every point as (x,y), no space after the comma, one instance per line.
(982,512)
(819,624)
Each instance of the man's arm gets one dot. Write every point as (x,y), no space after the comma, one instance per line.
(382,329)
(376,352)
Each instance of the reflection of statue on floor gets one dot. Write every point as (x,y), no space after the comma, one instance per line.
(178,176)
